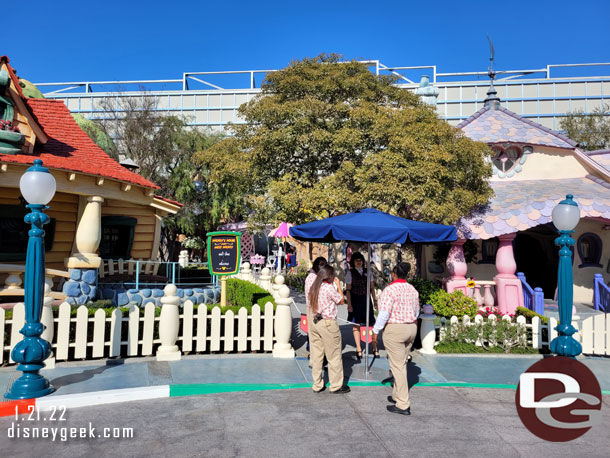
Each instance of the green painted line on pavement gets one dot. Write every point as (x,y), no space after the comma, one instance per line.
(213,388)
(469,385)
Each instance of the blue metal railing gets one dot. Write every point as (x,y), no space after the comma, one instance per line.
(601,294)
(172,272)
(533,299)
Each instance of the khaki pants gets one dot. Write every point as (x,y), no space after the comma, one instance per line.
(397,339)
(325,338)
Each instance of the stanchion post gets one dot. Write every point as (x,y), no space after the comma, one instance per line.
(223,291)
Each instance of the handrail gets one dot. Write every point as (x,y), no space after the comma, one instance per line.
(533,299)
(601,294)
(171,272)
(21,268)
(196,76)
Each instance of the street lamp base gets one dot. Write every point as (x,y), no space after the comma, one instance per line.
(566,346)
(29,386)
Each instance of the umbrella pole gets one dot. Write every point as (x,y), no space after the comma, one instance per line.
(368,305)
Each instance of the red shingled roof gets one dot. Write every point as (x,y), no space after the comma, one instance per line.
(168,200)
(69,147)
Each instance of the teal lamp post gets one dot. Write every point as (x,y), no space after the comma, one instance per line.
(37,186)
(565,217)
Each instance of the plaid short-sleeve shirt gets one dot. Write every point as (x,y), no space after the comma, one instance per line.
(401,301)
(308,282)
(328,298)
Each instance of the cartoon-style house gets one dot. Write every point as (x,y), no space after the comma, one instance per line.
(533,170)
(101,209)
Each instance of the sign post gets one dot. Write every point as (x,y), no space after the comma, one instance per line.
(224,251)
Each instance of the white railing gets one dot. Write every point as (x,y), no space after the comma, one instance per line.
(136,333)
(593,332)
(13,283)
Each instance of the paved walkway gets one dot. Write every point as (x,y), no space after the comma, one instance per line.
(218,373)
(255,406)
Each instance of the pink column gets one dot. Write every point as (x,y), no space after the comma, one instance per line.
(457,267)
(509,292)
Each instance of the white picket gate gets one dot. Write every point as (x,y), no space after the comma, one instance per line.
(134,334)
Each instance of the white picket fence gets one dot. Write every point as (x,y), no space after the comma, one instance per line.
(134,334)
(593,332)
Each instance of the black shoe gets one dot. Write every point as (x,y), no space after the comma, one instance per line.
(320,390)
(394,409)
(344,389)
(391,399)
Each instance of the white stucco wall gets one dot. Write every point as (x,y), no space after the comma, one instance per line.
(548,163)
(583,276)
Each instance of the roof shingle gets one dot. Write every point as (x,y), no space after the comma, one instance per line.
(520,205)
(500,125)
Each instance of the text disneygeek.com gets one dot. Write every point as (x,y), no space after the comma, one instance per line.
(48,425)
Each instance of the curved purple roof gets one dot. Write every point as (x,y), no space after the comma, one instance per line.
(500,125)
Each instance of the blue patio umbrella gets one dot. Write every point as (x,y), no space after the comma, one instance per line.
(372,226)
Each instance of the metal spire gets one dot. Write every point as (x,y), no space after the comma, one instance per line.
(492,101)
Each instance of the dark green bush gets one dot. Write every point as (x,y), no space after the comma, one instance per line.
(242,293)
(425,288)
(453,304)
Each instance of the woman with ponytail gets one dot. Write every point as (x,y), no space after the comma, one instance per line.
(324,334)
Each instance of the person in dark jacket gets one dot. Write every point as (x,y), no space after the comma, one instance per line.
(355,281)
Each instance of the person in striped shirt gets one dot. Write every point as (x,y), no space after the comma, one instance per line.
(324,334)
(398,312)
(320,261)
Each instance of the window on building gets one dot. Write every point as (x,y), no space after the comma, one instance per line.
(14,233)
(505,159)
(489,249)
(589,248)
(117,237)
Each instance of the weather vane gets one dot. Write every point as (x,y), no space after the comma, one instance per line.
(490,71)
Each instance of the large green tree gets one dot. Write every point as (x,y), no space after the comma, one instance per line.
(592,131)
(325,137)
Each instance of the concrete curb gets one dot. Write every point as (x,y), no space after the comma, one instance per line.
(95,398)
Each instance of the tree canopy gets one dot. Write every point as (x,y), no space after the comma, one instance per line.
(325,137)
(592,132)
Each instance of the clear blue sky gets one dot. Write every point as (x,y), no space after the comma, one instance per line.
(76,41)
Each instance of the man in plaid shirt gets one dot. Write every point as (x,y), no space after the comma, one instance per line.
(398,312)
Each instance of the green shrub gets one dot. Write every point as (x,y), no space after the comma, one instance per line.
(529,314)
(100,304)
(464,347)
(493,335)
(425,288)
(297,280)
(242,293)
(453,304)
